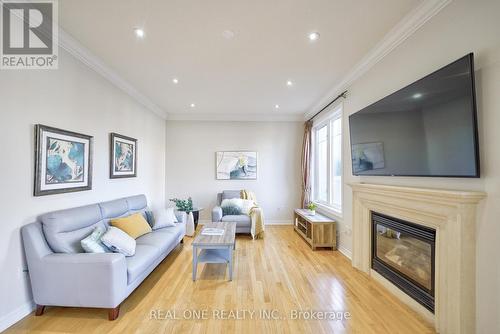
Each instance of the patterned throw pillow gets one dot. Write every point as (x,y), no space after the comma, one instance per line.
(93,243)
(119,241)
(231,207)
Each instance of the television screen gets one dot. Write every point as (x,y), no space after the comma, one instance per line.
(428,128)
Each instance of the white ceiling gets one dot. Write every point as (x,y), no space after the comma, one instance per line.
(237,77)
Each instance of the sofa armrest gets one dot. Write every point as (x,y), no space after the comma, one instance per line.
(216,214)
(89,280)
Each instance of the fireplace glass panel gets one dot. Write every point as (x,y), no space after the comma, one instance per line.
(408,255)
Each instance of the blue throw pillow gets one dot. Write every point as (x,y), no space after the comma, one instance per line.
(150,218)
(93,243)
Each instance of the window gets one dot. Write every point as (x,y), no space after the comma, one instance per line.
(327,161)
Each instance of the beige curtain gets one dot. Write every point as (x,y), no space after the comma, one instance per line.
(306,164)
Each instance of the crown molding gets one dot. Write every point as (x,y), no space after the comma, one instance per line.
(270,117)
(84,55)
(397,35)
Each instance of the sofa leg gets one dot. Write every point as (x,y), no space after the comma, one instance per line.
(113,313)
(182,240)
(39,310)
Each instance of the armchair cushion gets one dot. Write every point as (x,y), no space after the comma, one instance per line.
(240,220)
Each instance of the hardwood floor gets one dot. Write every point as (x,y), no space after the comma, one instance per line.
(278,274)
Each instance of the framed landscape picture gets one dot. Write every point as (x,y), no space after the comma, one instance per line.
(63,161)
(123,156)
(236,165)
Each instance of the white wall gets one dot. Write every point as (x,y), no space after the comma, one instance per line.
(73,98)
(190,163)
(462,27)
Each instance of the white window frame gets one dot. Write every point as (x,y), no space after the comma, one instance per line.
(327,119)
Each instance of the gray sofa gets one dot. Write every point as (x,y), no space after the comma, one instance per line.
(243,222)
(62,274)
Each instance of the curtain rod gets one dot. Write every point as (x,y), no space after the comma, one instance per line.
(343,94)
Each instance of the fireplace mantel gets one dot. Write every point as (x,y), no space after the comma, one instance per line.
(452,214)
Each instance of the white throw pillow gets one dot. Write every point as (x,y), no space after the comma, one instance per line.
(164,218)
(232,202)
(246,205)
(119,241)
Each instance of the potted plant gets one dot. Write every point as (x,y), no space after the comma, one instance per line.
(185,205)
(312,208)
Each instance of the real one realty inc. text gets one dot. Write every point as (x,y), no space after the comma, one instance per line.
(247,314)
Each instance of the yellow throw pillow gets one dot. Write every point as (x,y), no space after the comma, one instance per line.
(134,225)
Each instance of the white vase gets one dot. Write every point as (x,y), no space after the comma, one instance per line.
(312,212)
(190,225)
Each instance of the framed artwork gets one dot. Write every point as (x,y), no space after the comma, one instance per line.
(63,161)
(367,156)
(236,165)
(123,156)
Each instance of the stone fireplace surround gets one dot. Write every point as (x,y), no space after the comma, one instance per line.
(452,214)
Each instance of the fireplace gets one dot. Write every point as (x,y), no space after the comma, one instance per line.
(404,253)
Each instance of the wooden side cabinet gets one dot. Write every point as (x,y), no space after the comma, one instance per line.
(317,230)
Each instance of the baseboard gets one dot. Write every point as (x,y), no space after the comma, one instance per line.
(279,222)
(345,251)
(16,315)
(267,222)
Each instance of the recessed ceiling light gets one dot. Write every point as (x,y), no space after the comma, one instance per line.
(417,95)
(314,36)
(139,32)
(228,34)
(175,80)
(192,105)
(276,106)
(289,83)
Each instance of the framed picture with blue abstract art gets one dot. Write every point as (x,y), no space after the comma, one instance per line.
(236,165)
(63,161)
(123,156)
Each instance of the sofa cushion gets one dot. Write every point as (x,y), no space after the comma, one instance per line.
(228,194)
(240,220)
(65,229)
(145,255)
(161,239)
(136,203)
(114,209)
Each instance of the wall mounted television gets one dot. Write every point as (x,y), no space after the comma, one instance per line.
(428,128)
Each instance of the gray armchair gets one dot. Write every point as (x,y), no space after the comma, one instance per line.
(243,222)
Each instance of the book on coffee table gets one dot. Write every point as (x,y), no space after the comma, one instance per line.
(212,231)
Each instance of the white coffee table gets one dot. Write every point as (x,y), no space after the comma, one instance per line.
(215,248)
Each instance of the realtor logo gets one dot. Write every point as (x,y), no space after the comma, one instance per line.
(29,34)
